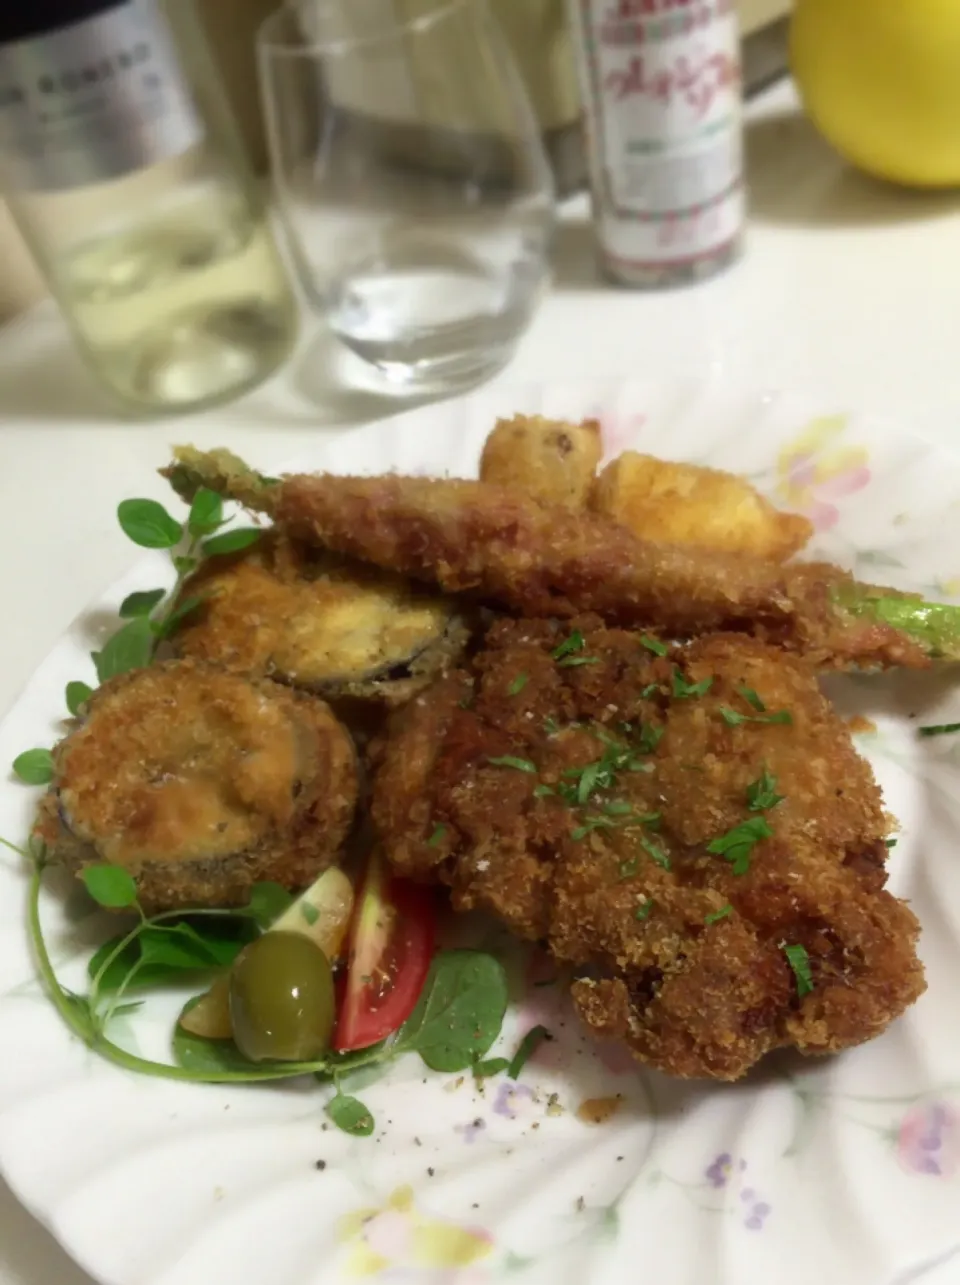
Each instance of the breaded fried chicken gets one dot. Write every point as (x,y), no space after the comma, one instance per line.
(691,828)
(201,784)
(543,560)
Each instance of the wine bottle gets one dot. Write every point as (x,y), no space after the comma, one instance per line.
(126,176)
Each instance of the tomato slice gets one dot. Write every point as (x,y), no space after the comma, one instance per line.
(391,945)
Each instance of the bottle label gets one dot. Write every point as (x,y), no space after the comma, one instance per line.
(664,121)
(93,101)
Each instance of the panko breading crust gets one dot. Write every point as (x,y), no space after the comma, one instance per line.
(202,783)
(590,879)
(542,560)
(310,619)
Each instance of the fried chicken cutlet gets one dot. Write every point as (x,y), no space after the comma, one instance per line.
(691,828)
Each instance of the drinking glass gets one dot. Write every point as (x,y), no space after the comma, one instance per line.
(410,178)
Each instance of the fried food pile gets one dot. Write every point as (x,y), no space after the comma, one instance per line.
(595,715)
(671,825)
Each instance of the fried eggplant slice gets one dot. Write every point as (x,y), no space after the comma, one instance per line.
(287,611)
(668,821)
(549,460)
(689,504)
(201,784)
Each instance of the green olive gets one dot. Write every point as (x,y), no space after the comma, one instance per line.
(281,999)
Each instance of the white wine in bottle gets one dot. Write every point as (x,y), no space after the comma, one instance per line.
(123,169)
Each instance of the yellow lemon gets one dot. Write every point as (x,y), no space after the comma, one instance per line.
(881,81)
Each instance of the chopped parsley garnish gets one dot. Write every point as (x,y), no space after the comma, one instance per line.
(438,833)
(716,915)
(649,738)
(591,824)
(799,961)
(938,729)
(643,911)
(541,791)
(569,661)
(890,843)
(618,808)
(518,684)
(654,644)
(575,642)
(762,794)
(551,726)
(733,719)
(649,690)
(684,690)
(509,760)
(737,844)
(752,698)
(658,854)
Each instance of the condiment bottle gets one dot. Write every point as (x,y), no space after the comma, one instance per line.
(663,119)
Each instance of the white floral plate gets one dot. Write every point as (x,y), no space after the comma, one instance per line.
(844,1171)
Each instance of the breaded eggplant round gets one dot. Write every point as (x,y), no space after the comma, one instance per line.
(321,623)
(202,783)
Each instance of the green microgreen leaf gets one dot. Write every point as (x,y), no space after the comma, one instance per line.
(541,791)
(510,760)
(649,738)
(140,603)
(629,868)
(570,662)
(890,843)
(76,695)
(268,901)
(644,910)
(518,684)
(799,961)
(551,726)
(231,541)
(34,767)
(147,523)
(654,644)
(350,1115)
(206,513)
(738,843)
(938,729)
(110,886)
(528,1046)
(184,608)
(438,832)
(460,1011)
(130,648)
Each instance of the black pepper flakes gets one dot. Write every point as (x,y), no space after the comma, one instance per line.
(431,1171)
(320,1164)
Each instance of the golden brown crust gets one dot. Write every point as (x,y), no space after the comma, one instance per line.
(692,505)
(690,997)
(548,460)
(541,560)
(202,783)
(284,611)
